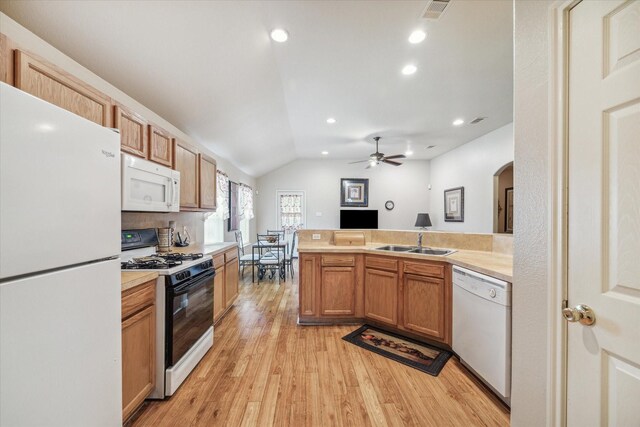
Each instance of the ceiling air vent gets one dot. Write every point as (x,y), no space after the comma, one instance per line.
(477,120)
(435,9)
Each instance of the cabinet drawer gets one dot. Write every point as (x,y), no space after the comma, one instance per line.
(231,254)
(432,270)
(338,260)
(381,263)
(138,298)
(218,260)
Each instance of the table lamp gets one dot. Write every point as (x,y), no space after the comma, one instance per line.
(423,220)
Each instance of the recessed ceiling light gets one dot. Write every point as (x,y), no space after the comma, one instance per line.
(325,153)
(331,120)
(408,153)
(279,35)
(458,122)
(417,36)
(409,69)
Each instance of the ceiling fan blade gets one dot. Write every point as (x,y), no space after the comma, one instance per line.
(391,162)
(397,156)
(359,161)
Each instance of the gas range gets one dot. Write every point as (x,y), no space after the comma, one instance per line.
(184,305)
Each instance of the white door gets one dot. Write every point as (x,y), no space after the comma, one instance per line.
(603,370)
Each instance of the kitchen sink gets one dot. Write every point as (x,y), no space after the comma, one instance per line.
(430,251)
(394,248)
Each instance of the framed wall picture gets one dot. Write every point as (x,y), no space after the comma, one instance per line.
(354,192)
(454,204)
(508,213)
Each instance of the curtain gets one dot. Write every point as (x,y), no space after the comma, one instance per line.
(246,201)
(223,195)
(291,211)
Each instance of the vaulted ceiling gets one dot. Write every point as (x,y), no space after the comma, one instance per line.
(211,69)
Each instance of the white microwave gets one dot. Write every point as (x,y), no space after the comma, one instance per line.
(149,187)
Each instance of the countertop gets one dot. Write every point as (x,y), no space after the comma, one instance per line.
(493,264)
(130,279)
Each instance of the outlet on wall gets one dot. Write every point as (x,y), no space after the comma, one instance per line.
(315,236)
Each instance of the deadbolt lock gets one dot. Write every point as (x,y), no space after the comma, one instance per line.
(581,313)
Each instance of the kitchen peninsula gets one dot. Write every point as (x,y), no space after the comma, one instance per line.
(351,280)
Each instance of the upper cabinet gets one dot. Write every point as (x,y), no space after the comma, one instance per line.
(133,131)
(186,161)
(160,146)
(208,168)
(60,88)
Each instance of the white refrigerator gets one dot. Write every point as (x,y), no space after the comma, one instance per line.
(60,330)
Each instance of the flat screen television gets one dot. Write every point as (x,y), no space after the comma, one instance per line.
(358,218)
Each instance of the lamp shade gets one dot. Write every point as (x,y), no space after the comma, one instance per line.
(423,220)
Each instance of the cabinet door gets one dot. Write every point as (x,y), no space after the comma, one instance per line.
(138,358)
(186,162)
(337,291)
(6,60)
(424,305)
(60,88)
(218,294)
(381,296)
(309,270)
(231,282)
(133,131)
(207,182)
(160,146)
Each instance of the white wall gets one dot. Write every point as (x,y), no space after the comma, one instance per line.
(26,40)
(530,388)
(406,185)
(471,166)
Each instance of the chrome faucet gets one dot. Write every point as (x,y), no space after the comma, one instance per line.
(420,240)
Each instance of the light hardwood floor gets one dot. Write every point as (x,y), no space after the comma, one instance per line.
(265,370)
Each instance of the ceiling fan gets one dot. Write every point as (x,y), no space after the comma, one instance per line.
(377,157)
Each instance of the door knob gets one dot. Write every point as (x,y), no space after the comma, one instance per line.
(581,313)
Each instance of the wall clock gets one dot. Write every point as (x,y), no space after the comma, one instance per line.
(389,205)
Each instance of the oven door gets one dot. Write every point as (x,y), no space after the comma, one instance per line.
(189,314)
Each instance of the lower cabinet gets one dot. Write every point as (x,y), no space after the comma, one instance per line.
(338,291)
(225,284)
(424,305)
(381,296)
(218,294)
(406,294)
(138,346)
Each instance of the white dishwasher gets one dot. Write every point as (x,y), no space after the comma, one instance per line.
(482,327)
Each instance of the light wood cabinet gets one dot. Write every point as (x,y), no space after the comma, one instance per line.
(424,305)
(46,81)
(186,162)
(381,296)
(309,273)
(226,282)
(138,345)
(231,276)
(338,291)
(160,146)
(218,294)
(133,131)
(6,60)
(208,182)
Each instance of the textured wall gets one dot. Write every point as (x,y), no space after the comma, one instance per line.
(530,267)
(471,166)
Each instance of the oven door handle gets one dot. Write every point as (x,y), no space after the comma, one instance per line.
(183,289)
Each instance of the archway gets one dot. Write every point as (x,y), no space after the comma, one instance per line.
(503,199)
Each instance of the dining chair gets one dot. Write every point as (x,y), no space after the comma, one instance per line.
(281,236)
(290,254)
(270,257)
(245,259)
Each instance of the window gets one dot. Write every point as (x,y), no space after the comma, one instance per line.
(246,212)
(291,211)
(214,224)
